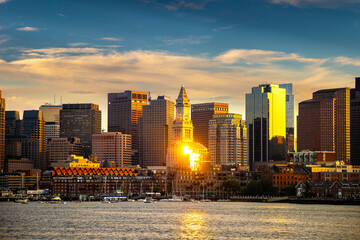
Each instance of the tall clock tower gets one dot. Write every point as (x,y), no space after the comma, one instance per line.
(183,127)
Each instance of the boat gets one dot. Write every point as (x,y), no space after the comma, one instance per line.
(223,200)
(205,200)
(22,200)
(148,199)
(173,199)
(55,199)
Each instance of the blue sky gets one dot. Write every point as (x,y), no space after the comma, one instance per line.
(82,50)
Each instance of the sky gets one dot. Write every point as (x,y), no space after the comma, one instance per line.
(79,51)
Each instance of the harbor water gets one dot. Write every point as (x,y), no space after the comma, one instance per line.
(178,220)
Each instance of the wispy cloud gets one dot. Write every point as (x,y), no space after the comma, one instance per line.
(61,15)
(317,3)
(348,61)
(77,44)
(111,39)
(3,1)
(179,4)
(258,56)
(4,38)
(218,29)
(191,40)
(28,29)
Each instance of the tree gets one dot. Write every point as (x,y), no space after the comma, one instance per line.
(258,188)
(232,186)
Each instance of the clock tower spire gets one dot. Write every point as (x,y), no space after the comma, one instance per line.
(183,127)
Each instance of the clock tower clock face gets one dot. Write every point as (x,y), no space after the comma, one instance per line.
(179,113)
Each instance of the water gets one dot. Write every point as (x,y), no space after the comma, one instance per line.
(184,220)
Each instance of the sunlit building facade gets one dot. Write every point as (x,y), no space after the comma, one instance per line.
(124,110)
(51,115)
(290,119)
(228,140)
(201,114)
(112,146)
(2,133)
(80,120)
(324,123)
(155,131)
(266,124)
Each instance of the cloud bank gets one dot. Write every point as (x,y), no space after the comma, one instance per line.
(88,74)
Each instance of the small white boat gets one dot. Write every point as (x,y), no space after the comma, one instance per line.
(223,200)
(173,199)
(148,200)
(23,201)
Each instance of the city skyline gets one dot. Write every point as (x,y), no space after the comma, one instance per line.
(149,45)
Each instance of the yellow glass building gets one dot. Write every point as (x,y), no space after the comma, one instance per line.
(266,124)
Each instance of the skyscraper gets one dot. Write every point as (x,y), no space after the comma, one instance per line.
(13,124)
(355,123)
(2,133)
(80,120)
(227,140)
(266,124)
(114,147)
(201,114)
(290,137)
(124,109)
(51,114)
(324,123)
(33,145)
(155,131)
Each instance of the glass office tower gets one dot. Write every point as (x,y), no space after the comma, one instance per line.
(266,124)
(290,130)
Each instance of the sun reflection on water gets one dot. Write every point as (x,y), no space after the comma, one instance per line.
(194,225)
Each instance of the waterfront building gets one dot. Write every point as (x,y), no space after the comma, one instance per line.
(324,123)
(33,145)
(20,180)
(184,153)
(355,123)
(282,176)
(266,124)
(2,133)
(290,119)
(113,146)
(155,131)
(335,189)
(227,140)
(80,120)
(100,182)
(58,150)
(124,110)
(201,114)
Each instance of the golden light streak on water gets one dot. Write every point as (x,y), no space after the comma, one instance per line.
(194,226)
